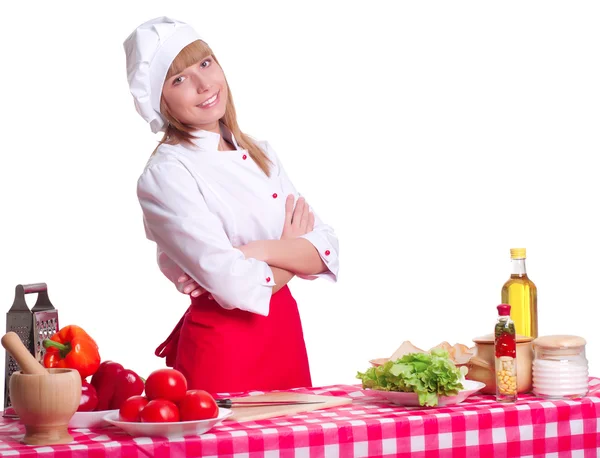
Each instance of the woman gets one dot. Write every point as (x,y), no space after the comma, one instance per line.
(226,220)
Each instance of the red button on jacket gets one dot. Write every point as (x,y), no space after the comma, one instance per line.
(327,252)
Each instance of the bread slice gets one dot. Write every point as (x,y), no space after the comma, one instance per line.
(462,354)
(461,350)
(404,349)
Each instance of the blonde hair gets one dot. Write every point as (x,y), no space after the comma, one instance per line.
(177,132)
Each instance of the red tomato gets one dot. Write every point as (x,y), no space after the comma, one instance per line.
(131,408)
(169,384)
(159,410)
(198,405)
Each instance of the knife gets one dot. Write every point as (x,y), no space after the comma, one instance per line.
(228,403)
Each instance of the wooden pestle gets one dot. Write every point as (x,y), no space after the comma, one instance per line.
(28,364)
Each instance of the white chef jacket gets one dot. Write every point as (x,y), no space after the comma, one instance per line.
(199,203)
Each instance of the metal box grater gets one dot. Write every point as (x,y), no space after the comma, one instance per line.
(32,326)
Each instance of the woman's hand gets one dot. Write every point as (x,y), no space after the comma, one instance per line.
(299,220)
(191,287)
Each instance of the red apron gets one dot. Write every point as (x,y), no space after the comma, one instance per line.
(221,350)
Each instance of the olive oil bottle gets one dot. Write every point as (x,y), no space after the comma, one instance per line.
(521,294)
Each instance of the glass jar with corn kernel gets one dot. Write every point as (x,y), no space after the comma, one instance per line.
(505,351)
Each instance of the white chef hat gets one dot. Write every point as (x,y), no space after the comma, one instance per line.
(149,51)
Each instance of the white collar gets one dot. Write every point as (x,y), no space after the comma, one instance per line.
(209,141)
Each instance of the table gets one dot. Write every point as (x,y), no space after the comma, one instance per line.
(478,427)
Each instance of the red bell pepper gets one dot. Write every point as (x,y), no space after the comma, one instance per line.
(104,382)
(71,347)
(115,384)
(128,384)
(89,398)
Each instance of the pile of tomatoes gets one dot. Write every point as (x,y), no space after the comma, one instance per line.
(167,399)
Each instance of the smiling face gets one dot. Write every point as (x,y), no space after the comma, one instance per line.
(197,95)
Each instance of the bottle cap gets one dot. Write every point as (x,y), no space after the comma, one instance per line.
(503,309)
(518,253)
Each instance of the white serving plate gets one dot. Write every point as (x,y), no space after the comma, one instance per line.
(412,399)
(94,419)
(167,429)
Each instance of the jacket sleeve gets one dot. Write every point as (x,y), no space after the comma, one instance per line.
(322,236)
(170,269)
(177,218)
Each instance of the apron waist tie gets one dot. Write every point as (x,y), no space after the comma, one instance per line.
(168,348)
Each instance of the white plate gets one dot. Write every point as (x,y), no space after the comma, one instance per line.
(412,399)
(94,419)
(168,429)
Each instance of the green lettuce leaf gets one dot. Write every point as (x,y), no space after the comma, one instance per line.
(430,375)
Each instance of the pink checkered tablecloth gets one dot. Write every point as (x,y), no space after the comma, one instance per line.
(369,427)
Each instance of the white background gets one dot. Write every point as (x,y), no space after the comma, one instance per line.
(433,136)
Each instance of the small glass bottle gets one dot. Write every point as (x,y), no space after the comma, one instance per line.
(505,352)
(521,294)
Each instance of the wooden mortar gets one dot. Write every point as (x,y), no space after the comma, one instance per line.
(44,399)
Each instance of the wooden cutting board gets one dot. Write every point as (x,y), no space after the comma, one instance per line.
(263,412)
